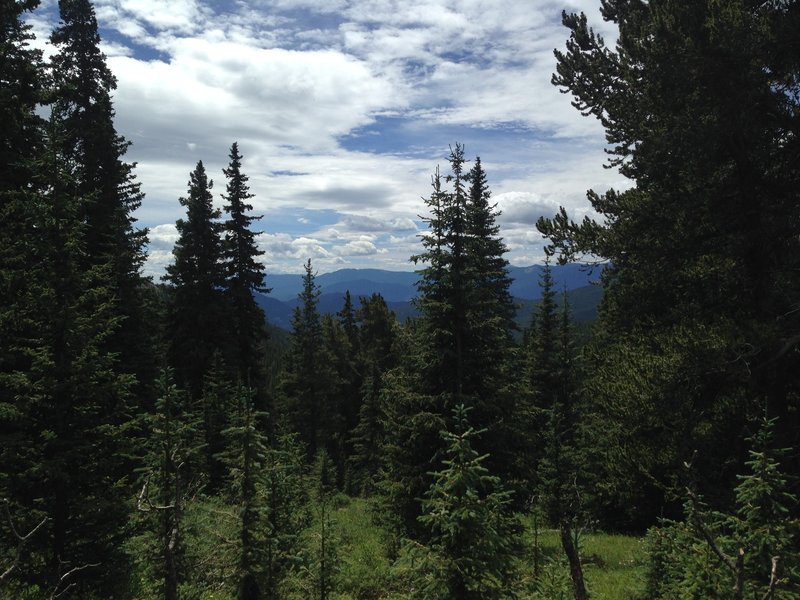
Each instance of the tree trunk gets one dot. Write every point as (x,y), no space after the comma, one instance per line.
(575,568)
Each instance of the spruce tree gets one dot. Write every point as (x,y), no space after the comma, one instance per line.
(21,75)
(81,104)
(218,406)
(473,539)
(559,479)
(246,457)
(748,551)
(308,381)
(174,447)
(196,321)
(244,274)
(463,345)
(377,342)
(286,508)
(64,402)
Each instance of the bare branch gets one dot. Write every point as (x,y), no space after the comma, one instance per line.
(708,537)
(21,539)
(143,502)
(66,576)
(773,579)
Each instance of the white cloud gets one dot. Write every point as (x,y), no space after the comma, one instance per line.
(306,88)
(131,16)
(357,248)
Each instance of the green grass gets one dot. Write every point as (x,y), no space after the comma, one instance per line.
(364,569)
(614,566)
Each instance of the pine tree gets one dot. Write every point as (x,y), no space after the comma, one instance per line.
(196,324)
(244,274)
(698,101)
(82,107)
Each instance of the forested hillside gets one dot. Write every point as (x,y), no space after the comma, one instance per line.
(159,439)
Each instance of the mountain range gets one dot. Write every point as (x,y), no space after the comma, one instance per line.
(398,288)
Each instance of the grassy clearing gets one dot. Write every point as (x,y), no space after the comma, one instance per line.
(614,566)
(364,570)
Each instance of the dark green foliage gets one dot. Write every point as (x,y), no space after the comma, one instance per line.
(464,298)
(700,105)
(63,403)
(309,381)
(750,552)
(246,458)
(377,336)
(21,91)
(462,346)
(473,537)
(287,510)
(561,486)
(173,447)
(196,312)
(542,337)
(244,274)
(83,112)
(322,560)
(218,408)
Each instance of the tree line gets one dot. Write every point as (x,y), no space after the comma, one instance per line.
(139,420)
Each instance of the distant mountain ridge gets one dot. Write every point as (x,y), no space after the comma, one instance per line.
(398,288)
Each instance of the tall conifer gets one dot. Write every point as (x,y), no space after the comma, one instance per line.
(65,406)
(463,336)
(308,383)
(83,110)
(701,109)
(244,274)
(196,312)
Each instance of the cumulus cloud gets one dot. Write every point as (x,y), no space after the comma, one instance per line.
(346,106)
(524,208)
(357,248)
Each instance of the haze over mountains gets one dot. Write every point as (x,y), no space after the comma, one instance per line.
(398,289)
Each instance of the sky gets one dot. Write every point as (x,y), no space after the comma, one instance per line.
(342,109)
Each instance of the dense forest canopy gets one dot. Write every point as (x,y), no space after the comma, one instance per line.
(156,440)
